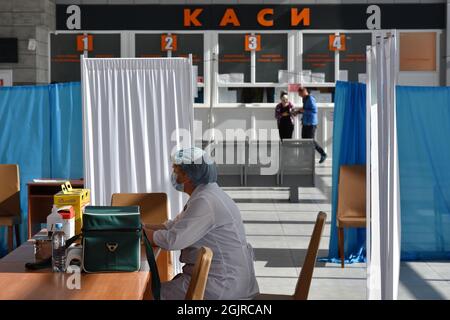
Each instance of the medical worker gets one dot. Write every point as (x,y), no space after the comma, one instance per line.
(211,219)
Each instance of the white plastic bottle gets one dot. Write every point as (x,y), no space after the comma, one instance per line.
(58,249)
(52,219)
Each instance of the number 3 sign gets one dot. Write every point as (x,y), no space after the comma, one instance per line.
(336,43)
(252,42)
(168,42)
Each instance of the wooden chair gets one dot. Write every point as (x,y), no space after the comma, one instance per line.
(351,211)
(199,277)
(10,201)
(304,280)
(154,210)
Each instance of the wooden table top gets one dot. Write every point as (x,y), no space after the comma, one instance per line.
(18,283)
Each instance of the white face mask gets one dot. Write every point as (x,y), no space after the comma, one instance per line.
(176,185)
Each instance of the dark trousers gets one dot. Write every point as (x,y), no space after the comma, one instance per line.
(285,128)
(309,132)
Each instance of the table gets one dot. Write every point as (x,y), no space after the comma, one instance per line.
(40,202)
(18,283)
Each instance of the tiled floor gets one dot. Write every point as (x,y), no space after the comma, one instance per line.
(279,232)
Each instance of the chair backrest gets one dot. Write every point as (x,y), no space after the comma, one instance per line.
(153,206)
(199,276)
(352,191)
(304,280)
(9,190)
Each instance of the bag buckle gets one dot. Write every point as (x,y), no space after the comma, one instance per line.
(112,246)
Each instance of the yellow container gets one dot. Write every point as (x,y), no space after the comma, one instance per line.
(78,199)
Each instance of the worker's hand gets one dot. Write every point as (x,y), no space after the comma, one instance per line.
(154,226)
(285,114)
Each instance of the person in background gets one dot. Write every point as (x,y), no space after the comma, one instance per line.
(285,116)
(309,120)
(211,219)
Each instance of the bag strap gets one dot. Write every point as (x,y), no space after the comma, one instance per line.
(72,240)
(156,282)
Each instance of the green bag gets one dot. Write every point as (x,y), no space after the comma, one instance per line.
(112,242)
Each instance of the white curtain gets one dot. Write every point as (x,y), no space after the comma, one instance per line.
(136,112)
(383,189)
(373,211)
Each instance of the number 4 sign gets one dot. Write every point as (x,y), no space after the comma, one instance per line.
(168,42)
(252,42)
(336,43)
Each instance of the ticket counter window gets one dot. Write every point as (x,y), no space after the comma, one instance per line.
(271,60)
(158,45)
(234,60)
(352,60)
(191,44)
(318,59)
(149,46)
(66,48)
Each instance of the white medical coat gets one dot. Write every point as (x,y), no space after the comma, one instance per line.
(210,219)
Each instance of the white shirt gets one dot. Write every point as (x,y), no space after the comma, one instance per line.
(212,219)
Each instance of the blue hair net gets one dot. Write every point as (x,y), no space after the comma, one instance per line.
(196,163)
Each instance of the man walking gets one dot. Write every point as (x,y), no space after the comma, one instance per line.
(309,120)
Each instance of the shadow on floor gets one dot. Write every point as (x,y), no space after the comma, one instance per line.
(417,285)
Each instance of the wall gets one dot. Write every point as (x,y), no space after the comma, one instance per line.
(28,19)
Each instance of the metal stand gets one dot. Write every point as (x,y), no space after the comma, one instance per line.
(293,194)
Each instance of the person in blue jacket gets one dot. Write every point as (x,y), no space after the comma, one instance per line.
(309,120)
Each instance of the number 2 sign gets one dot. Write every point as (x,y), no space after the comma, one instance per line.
(168,42)
(336,43)
(252,42)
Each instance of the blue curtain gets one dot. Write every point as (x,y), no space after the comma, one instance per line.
(41,131)
(423,131)
(349,147)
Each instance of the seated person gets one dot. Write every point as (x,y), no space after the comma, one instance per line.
(210,218)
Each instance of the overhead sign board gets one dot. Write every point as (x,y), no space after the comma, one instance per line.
(251,17)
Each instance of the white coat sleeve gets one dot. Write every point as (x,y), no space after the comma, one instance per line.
(189,227)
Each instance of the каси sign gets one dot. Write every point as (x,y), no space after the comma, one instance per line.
(250,17)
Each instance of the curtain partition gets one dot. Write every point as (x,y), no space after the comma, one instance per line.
(349,147)
(40,130)
(383,203)
(423,126)
(136,113)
